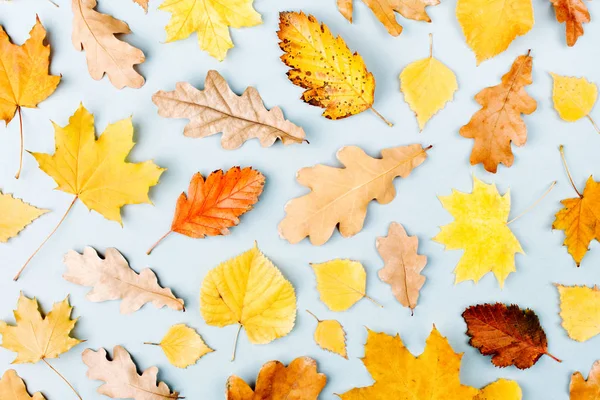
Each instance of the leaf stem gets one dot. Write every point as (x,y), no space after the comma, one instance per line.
(317,318)
(531,207)
(564,160)
(54,4)
(18,174)
(381,116)
(152,343)
(45,240)
(62,377)
(431,45)
(158,242)
(235,342)
(552,357)
(593,123)
(373,301)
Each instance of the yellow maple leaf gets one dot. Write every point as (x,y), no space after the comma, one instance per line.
(427,85)
(341,283)
(574,98)
(481,230)
(15,216)
(330,335)
(265,305)
(183,346)
(211,19)
(12,387)
(490,26)
(580,311)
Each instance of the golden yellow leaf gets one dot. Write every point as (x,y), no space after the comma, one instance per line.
(490,26)
(330,335)
(334,78)
(341,283)
(339,197)
(582,389)
(580,311)
(35,337)
(502,389)
(480,229)
(211,19)
(427,85)
(574,98)
(12,387)
(265,305)
(183,346)
(15,216)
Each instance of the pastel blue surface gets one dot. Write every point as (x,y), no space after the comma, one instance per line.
(182,263)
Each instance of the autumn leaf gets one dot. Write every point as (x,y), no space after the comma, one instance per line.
(574,13)
(330,335)
(511,335)
(427,85)
(121,379)
(490,26)
(582,389)
(498,123)
(298,381)
(94,33)
(334,78)
(15,216)
(24,77)
(502,389)
(95,171)
(580,217)
(341,283)
(580,311)
(265,306)
(183,346)
(340,196)
(214,205)
(217,109)
(402,265)
(112,279)
(36,337)
(211,19)
(385,10)
(574,98)
(434,375)
(12,387)
(143,4)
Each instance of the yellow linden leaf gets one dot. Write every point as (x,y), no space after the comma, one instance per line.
(574,98)
(341,283)
(481,230)
(330,335)
(36,337)
(12,387)
(427,85)
(211,19)
(580,311)
(502,389)
(183,346)
(490,26)
(250,291)
(15,216)
(95,171)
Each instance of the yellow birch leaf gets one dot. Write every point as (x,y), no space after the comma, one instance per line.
(211,19)
(12,387)
(502,389)
(580,311)
(330,335)
(490,26)
(341,283)
(573,97)
(183,346)
(427,85)
(15,216)
(250,291)
(480,229)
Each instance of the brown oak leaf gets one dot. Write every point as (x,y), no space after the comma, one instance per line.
(298,381)
(582,389)
(511,335)
(574,13)
(499,122)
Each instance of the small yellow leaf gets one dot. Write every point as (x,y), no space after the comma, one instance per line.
(573,97)
(341,283)
(330,335)
(183,346)
(15,216)
(580,311)
(427,85)
(502,389)
(12,387)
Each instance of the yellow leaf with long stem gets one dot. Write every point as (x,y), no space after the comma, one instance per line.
(574,98)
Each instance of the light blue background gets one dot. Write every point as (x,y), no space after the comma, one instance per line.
(181,263)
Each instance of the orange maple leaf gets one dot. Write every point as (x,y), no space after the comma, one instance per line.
(215,204)
(575,13)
